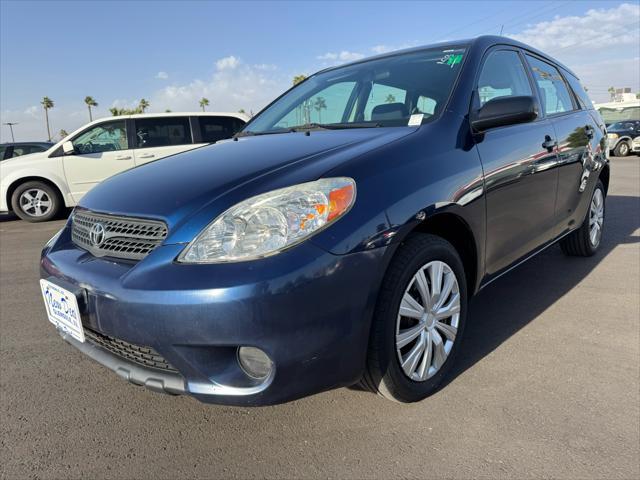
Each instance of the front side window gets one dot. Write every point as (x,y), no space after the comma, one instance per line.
(162,132)
(503,75)
(554,94)
(106,137)
(382,92)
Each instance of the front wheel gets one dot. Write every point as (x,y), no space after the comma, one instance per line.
(36,202)
(621,150)
(585,241)
(419,320)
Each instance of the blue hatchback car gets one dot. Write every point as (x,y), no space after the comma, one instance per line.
(338,237)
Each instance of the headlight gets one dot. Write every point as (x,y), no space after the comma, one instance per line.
(612,136)
(269,223)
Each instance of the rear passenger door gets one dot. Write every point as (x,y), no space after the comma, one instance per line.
(159,137)
(519,167)
(577,136)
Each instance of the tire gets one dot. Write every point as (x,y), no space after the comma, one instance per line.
(622,149)
(384,373)
(36,202)
(580,242)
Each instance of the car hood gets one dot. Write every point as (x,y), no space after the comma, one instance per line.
(215,177)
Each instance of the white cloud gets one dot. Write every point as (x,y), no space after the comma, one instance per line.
(602,46)
(32,111)
(227,63)
(162,75)
(343,56)
(596,30)
(233,86)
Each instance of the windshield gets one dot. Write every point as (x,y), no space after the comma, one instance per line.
(611,115)
(386,92)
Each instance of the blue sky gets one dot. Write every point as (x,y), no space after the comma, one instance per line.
(242,54)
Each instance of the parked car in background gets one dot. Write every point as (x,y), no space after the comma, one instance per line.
(37,187)
(339,236)
(17,149)
(621,136)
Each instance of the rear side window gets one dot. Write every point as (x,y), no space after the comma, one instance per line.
(580,91)
(503,75)
(213,129)
(2,152)
(555,96)
(162,132)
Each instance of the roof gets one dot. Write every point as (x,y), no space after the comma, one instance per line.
(482,42)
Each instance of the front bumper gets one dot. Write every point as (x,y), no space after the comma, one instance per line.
(309,310)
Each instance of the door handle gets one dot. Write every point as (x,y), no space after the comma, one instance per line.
(124,157)
(549,143)
(147,155)
(588,129)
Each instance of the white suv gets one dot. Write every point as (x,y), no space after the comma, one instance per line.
(37,186)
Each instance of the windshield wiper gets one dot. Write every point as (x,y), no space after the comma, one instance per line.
(308,127)
(249,133)
(335,126)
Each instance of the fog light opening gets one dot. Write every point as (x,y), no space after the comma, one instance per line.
(254,362)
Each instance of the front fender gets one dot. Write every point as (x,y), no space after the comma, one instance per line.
(13,178)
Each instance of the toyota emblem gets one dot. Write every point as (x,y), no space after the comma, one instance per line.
(96,234)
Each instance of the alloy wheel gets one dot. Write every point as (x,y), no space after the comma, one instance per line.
(596,217)
(427,322)
(35,202)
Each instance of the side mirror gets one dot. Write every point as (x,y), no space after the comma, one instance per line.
(68,148)
(503,111)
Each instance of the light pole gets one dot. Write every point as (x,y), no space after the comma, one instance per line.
(11,124)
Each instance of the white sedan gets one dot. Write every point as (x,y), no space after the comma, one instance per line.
(37,186)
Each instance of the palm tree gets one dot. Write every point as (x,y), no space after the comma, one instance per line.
(90,102)
(241,111)
(299,78)
(115,111)
(390,98)
(143,105)
(47,103)
(612,93)
(63,133)
(168,110)
(204,102)
(320,105)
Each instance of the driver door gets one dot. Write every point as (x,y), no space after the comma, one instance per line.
(99,152)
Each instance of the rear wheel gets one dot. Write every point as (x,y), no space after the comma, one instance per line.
(418,322)
(621,150)
(585,241)
(36,202)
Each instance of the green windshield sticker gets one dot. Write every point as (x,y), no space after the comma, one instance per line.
(451,59)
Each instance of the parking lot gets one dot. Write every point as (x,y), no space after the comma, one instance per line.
(547,386)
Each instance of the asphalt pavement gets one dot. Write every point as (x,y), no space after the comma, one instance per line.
(547,386)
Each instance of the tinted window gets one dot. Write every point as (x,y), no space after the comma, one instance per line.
(555,95)
(106,137)
(19,150)
(2,150)
(213,129)
(362,92)
(162,132)
(623,126)
(503,75)
(579,90)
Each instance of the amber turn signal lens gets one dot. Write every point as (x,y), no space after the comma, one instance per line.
(340,200)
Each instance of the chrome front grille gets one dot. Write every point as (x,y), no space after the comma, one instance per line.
(113,236)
